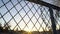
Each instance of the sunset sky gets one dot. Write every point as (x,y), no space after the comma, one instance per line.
(24,21)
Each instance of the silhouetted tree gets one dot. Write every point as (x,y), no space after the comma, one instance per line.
(7,27)
(1,28)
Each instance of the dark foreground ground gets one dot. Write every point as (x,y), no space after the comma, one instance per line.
(24,32)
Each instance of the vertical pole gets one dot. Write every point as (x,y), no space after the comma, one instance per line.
(52,20)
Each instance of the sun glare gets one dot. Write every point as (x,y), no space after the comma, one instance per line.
(28,30)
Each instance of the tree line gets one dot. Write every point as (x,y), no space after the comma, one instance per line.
(4,28)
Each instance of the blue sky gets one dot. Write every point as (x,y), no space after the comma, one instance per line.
(17,18)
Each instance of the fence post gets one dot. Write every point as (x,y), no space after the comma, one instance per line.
(52,20)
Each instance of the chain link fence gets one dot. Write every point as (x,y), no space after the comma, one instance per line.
(28,16)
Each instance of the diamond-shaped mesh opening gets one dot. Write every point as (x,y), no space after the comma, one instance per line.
(1,20)
(21,15)
(3,9)
(14,2)
(9,5)
(17,18)
(20,24)
(11,23)
(13,11)
(18,7)
(7,17)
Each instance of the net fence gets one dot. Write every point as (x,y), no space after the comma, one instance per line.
(27,16)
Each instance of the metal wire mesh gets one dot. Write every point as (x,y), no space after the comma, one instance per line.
(26,15)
